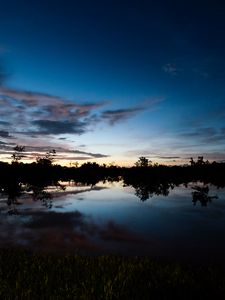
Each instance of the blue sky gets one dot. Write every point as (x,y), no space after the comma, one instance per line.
(109,81)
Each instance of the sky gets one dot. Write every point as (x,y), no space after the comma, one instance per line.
(110,81)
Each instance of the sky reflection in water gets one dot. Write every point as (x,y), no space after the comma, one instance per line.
(110,218)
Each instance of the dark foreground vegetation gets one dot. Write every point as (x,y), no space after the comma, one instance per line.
(46,276)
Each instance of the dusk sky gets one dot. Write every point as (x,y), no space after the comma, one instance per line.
(109,81)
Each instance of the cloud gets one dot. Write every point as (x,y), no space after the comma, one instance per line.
(201,132)
(170,69)
(4,123)
(47,103)
(4,134)
(168,157)
(94,155)
(28,98)
(211,156)
(114,116)
(201,72)
(205,135)
(58,127)
(32,152)
(118,115)
(34,113)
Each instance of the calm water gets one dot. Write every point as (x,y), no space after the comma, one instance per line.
(110,218)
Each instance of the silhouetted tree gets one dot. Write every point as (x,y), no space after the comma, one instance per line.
(17,155)
(47,160)
(200,161)
(143,162)
(192,162)
(74,164)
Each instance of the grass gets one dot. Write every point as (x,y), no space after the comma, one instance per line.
(48,276)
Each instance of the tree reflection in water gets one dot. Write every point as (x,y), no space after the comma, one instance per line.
(201,194)
(13,189)
(145,190)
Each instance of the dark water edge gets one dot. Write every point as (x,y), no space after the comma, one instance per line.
(25,275)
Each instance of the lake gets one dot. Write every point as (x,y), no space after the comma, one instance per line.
(183,223)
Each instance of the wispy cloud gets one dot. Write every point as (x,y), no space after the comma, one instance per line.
(201,72)
(4,123)
(58,127)
(118,115)
(37,113)
(32,152)
(168,157)
(93,155)
(190,69)
(4,134)
(114,116)
(205,135)
(170,69)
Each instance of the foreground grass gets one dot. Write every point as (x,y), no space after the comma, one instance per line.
(42,276)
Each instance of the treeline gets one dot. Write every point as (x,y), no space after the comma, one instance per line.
(91,173)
